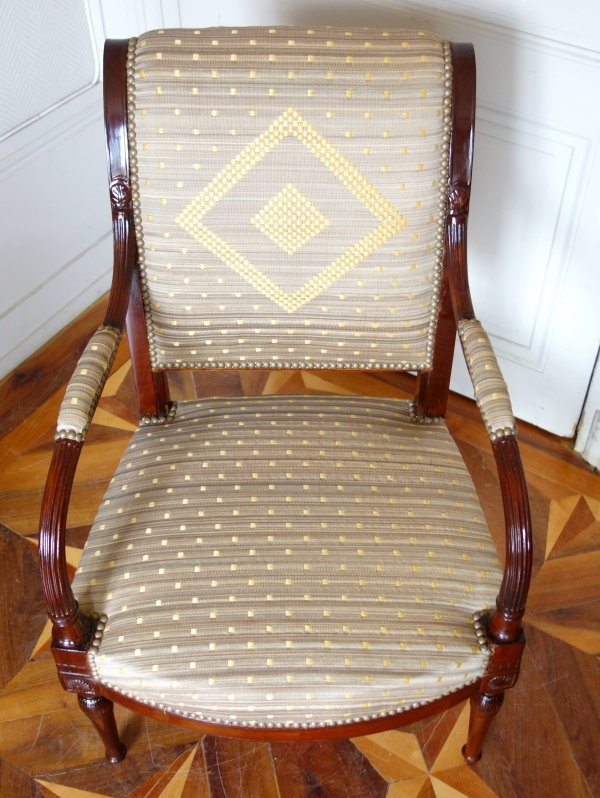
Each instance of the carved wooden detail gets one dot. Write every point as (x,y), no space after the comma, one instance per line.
(120,195)
(71,628)
(459,178)
(503,670)
(74,672)
(459,195)
(505,625)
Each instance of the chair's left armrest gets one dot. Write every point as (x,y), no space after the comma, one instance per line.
(85,386)
(72,629)
(491,395)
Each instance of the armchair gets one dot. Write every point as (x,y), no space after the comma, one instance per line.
(303,567)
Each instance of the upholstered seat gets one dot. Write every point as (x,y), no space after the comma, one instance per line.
(290,560)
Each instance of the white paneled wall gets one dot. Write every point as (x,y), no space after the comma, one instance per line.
(55,245)
(533,233)
(46,55)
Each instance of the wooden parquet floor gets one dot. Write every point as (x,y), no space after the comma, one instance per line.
(545,741)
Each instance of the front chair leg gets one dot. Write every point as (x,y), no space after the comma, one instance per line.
(483,709)
(100,711)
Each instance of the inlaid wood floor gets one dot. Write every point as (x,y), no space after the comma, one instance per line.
(545,741)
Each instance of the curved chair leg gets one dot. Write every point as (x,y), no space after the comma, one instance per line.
(483,709)
(100,711)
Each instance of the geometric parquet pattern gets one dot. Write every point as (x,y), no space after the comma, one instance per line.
(545,740)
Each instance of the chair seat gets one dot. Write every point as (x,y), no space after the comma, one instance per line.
(297,560)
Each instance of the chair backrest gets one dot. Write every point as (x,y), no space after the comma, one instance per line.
(292,195)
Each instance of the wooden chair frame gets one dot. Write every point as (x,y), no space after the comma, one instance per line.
(73,631)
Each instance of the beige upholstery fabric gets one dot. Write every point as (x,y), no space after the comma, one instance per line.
(491,393)
(292,186)
(85,386)
(289,560)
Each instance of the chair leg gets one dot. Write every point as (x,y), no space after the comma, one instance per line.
(483,709)
(100,711)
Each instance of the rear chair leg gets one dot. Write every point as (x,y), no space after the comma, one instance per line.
(483,709)
(100,711)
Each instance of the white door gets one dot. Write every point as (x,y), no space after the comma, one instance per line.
(56,248)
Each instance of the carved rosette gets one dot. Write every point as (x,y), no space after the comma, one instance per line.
(77,685)
(75,672)
(504,667)
(74,682)
(458,199)
(120,194)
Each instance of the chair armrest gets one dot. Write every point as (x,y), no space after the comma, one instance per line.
(71,627)
(491,393)
(85,386)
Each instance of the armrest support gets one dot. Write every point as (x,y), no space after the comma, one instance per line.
(505,625)
(85,386)
(71,628)
(491,395)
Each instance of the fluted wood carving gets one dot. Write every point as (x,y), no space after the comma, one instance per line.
(506,623)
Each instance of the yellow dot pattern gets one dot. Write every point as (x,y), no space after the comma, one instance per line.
(491,393)
(287,561)
(85,386)
(222,123)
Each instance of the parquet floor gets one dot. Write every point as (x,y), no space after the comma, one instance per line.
(545,741)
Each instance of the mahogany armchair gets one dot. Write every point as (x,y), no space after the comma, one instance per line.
(296,567)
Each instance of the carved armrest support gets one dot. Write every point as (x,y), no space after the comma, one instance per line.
(505,625)
(505,661)
(85,386)
(491,393)
(72,629)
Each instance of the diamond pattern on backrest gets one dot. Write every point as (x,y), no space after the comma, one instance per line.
(292,193)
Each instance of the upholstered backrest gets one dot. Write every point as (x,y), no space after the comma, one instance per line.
(292,190)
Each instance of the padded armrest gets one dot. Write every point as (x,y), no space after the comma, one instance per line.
(85,386)
(491,393)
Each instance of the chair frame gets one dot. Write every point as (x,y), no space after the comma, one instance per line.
(73,631)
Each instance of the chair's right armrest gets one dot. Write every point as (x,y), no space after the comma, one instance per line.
(491,395)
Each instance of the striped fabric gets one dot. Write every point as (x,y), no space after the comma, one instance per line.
(85,386)
(491,393)
(292,187)
(289,560)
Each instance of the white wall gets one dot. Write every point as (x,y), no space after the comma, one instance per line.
(55,248)
(533,232)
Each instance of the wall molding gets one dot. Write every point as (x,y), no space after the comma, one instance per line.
(488,26)
(574,156)
(79,283)
(66,121)
(91,13)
